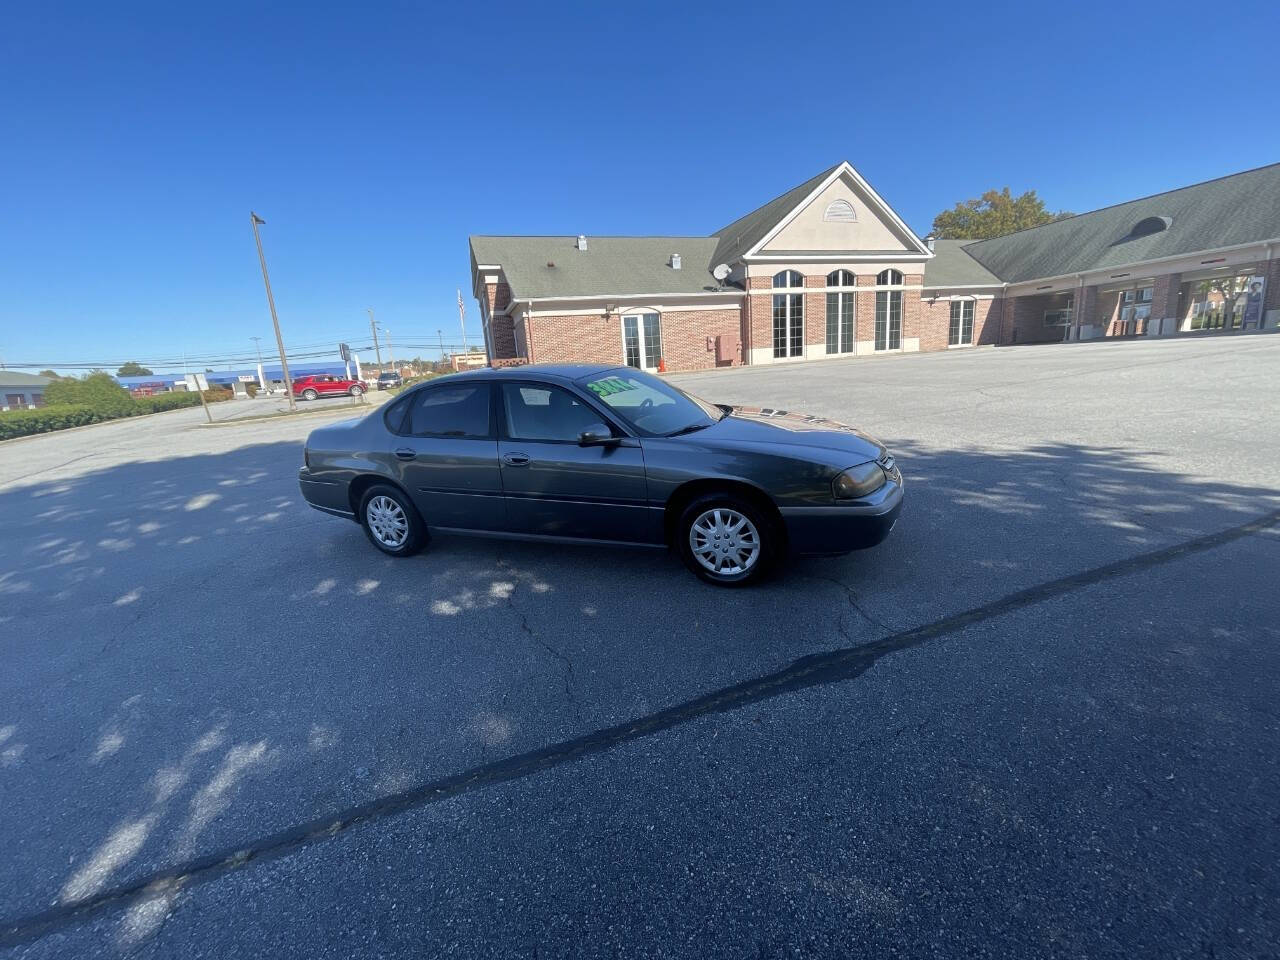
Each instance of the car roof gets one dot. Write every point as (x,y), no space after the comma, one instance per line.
(538,371)
(554,372)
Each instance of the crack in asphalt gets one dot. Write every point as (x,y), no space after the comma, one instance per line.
(814,670)
(856,604)
(570,679)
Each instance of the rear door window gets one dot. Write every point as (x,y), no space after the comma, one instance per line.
(457,410)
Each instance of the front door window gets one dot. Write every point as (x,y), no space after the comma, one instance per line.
(642,341)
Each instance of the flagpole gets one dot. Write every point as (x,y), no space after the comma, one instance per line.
(462,320)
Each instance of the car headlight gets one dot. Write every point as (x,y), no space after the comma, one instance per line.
(858,481)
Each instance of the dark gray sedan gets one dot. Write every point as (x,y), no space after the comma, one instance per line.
(602,454)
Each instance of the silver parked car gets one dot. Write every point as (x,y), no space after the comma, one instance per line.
(604,454)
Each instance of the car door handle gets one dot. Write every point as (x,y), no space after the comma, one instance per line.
(516,459)
(404,453)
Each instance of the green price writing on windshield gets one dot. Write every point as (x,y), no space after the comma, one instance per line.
(610,385)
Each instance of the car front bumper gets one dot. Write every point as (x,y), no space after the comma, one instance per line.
(830,531)
(329,496)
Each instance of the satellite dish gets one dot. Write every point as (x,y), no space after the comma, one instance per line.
(721,272)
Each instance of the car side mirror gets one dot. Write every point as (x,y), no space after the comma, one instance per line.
(596,435)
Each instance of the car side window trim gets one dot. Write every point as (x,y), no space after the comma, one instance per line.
(500,409)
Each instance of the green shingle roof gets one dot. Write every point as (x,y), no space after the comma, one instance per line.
(745,232)
(610,266)
(11,378)
(952,266)
(1236,209)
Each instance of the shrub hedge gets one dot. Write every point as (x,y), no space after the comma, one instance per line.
(75,403)
(23,423)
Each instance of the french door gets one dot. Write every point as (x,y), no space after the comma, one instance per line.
(788,325)
(840,322)
(888,320)
(642,341)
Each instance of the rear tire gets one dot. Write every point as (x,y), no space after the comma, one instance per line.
(309,394)
(390,521)
(727,540)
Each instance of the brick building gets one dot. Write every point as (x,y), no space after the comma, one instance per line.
(829,270)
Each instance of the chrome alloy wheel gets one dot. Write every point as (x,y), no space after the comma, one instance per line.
(724,541)
(387,521)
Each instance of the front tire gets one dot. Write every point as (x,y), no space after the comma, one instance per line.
(355,391)
(727,540)
(390,521)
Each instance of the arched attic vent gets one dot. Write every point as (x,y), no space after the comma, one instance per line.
(1150,225)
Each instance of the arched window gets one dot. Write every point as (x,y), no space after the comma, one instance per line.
(961,331)
(889,311)
(840,211)
(840,307)
(788,316)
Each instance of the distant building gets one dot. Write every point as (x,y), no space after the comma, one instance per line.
(829,270)
(19,391)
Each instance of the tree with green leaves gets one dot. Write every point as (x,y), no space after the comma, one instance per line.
(133,369)
(994,214)
(98,391)
(48,373)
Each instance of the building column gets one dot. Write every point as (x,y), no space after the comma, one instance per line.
(1085,310)
(1165,315)
(1271,294)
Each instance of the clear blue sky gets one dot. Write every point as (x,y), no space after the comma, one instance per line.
(375,137)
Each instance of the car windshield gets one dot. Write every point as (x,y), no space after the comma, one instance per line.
(652,407)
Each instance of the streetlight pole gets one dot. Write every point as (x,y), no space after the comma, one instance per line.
(440,334)
(376,349)
(262,377)
(271,302)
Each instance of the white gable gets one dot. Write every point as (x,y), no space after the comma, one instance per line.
(843,216)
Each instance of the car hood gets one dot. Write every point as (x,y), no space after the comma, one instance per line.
(765,425)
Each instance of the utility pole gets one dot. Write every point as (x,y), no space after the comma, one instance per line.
(440,334)
(262,377)
(376,349)
(271,302)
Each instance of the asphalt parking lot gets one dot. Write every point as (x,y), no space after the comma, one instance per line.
(1039,721)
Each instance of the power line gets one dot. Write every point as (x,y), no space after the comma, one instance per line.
(412,344)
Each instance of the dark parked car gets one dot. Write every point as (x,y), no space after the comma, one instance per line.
(327,385)
(607,455)
(388,379)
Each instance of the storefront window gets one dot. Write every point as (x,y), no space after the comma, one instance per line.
(1227,302)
